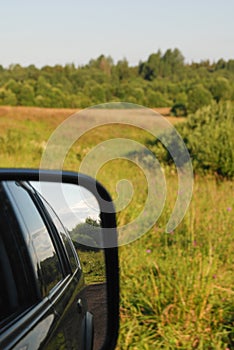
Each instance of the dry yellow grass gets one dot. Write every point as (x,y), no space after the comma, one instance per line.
(54,116)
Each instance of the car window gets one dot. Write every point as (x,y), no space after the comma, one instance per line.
(74,262)
(17,289)
(47,264)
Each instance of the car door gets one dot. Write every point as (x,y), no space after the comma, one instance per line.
(77,321)
(39,293)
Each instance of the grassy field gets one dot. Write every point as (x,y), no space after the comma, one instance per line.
(176,289)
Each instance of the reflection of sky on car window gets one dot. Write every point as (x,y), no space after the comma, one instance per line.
(72,203)
(33,221)
(42,244)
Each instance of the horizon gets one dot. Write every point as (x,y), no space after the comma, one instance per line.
(115,61)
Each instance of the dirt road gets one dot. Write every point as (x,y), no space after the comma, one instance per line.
(97,304)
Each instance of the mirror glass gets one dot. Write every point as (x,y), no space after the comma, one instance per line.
(43,274)
(79,212)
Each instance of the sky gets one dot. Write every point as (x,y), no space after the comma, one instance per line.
(73,204)
(49,32)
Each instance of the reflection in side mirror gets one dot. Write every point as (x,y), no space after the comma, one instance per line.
(60,271)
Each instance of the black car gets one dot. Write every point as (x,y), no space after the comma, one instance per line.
(42,300)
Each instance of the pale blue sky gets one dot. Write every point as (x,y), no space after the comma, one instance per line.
(55,31)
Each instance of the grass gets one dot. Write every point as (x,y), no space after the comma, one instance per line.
(93,266)
(176,289)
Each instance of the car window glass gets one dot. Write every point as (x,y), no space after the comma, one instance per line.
(48,265)
(17,290)
(64,235)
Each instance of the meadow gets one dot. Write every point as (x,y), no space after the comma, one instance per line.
(176,288)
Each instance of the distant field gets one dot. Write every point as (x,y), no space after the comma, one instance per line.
(24,132)
(57,115)
(177,290)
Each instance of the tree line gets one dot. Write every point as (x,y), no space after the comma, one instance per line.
(163,80)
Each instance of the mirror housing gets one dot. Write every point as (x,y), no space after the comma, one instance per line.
(108,220)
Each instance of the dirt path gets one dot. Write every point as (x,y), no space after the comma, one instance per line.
(97,304)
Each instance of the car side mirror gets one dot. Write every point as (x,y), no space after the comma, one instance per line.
(58,262)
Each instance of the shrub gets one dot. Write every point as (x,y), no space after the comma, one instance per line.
(208,135)
(179,109)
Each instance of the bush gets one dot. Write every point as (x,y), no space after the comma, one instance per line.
(208,135)
(221,89)
(179,110)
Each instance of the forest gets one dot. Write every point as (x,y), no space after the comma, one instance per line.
(163,80)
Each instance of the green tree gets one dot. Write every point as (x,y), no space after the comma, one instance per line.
(97,94)
(18,72)
(14,86)
(26,95)
(32,72)
(221,64)
(173,62)
(87,234)
(7,97)
(151,69)
(156,99)
(230,65)
(103,63)
(221,89)
(198,97)
(57,98)
(122,70)
(42,86)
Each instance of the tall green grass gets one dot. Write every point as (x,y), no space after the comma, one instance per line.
(177,289)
